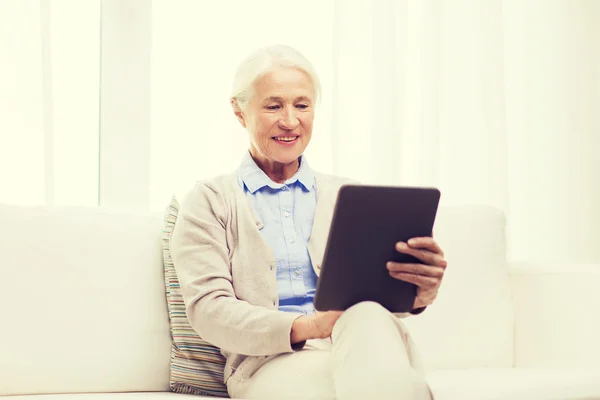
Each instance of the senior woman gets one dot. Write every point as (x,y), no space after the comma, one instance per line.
(247,249)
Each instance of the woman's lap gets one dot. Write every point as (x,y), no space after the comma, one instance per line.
(305,374)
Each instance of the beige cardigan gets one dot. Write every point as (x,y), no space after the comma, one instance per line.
(227,271)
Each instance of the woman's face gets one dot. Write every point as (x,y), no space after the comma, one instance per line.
(279,116)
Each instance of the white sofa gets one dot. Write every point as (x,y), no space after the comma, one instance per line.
(82,307)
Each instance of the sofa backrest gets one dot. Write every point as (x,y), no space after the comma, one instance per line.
(82,302)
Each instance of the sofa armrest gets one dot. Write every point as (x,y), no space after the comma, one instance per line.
(557,315)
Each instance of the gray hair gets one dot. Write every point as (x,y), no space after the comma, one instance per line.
(262,61)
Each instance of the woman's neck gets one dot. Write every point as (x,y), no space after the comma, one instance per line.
(276,171)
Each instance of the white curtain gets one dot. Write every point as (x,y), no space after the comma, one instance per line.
(49,91)
(494,102)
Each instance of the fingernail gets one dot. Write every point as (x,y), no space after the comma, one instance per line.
(412,241)
(401,245)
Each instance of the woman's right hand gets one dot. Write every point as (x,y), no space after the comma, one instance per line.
(316,326)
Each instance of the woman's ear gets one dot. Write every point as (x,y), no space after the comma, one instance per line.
(237,110)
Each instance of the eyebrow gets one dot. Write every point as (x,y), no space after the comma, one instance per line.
(280,99)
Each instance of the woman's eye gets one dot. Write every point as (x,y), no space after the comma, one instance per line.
(302,106)
(273,108)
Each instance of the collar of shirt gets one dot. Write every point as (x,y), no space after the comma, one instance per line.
(254,178)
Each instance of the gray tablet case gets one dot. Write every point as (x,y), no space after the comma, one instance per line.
(367,223)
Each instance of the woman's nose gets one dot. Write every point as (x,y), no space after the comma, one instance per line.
(289,121)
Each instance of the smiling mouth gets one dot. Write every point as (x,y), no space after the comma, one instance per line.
(285,139)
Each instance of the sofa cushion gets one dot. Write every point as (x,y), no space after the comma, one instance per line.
(82,302)
(482,384)
(196,365)
(516,384)
(471,323)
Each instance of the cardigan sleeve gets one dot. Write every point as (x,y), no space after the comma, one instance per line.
(200,255)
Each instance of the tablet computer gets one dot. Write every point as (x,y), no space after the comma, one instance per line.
(367,223)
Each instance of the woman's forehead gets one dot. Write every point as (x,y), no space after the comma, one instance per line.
(284,83)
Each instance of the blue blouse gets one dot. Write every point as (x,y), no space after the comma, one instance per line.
(286,211)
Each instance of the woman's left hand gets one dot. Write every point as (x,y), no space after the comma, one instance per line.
(428,275)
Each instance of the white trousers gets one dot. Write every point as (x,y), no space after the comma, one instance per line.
(370,355)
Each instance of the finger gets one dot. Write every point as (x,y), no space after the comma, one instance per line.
(427,243)
(416,269)
(426,256)
(425,282)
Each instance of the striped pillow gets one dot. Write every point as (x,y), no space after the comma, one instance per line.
(196,365)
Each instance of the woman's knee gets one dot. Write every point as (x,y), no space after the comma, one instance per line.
(363,317)
(368,309)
